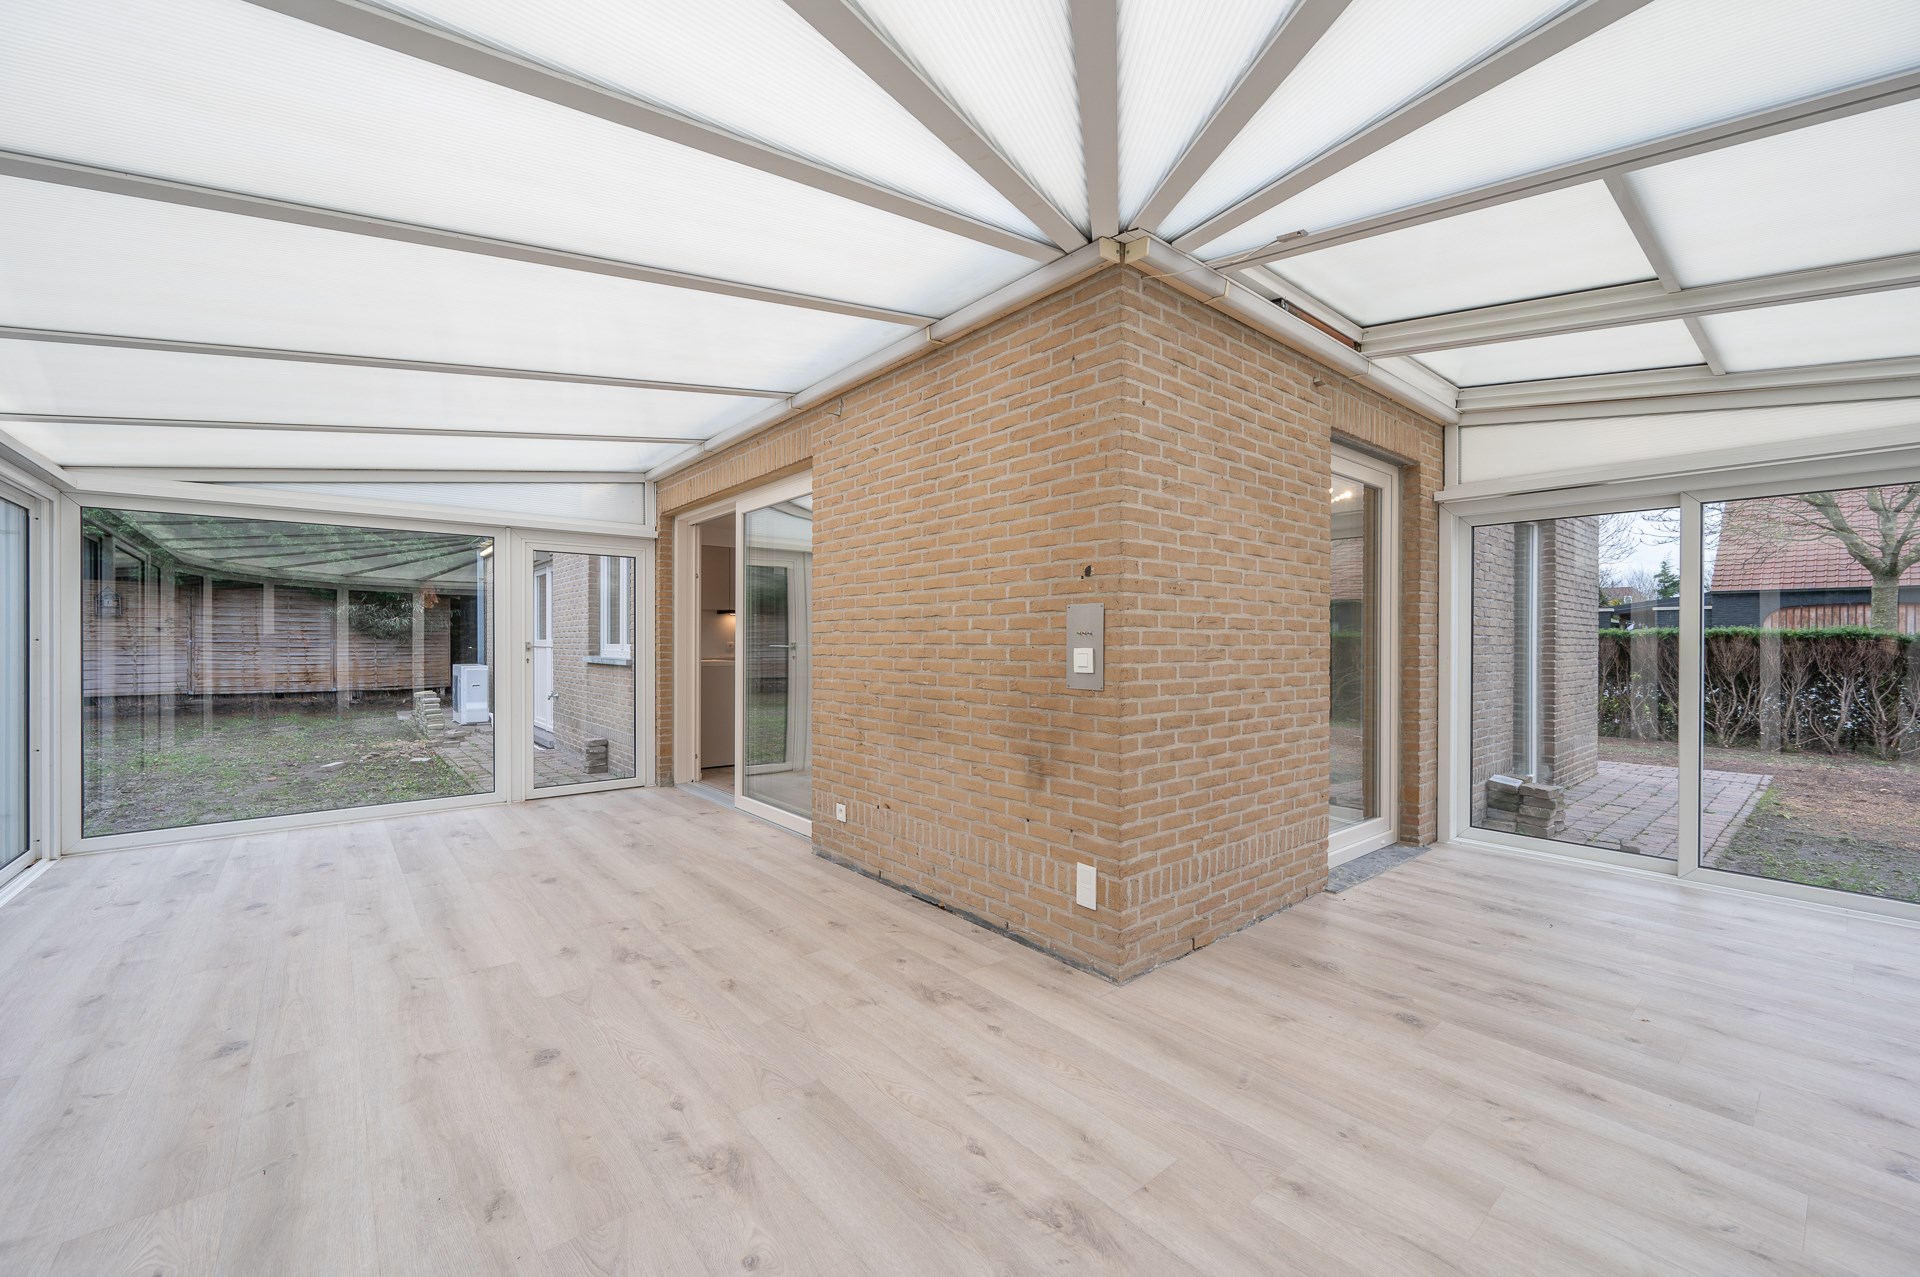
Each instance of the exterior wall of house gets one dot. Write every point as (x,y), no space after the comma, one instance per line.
(1119,444)
(1569,653)
(595,692)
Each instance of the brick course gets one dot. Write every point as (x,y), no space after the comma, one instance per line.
(1115,443)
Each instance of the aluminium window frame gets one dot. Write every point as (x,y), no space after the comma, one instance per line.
(1690,494)
(618,646)
(39,499)
(510,621)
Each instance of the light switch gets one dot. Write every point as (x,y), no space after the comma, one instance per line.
(1083,660)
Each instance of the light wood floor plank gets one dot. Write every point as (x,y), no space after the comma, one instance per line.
(636,1033)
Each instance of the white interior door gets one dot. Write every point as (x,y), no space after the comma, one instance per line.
(543,689)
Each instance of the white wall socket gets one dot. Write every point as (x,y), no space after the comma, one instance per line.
(1085,880)
(840,812)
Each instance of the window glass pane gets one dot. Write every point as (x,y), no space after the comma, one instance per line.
(1354,655)
(777,656)
(239,668)
(1812,704)
(14,647)
(1575,678)
(584,725)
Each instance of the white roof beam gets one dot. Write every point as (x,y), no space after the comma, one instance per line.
(305,427)
(1644,234)
(522,75)
(849,31)
(1818,109)
(1297,33)
(1687,390)
(118,341)
(1531,49)
(1634,304)
(1096,76)
(140,186)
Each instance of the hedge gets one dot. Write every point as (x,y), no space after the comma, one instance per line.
(1838,690)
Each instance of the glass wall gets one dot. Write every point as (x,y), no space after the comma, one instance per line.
(775,656)
(235,668)
(1574,655)
(15,686)
(583,675)
(1811,702)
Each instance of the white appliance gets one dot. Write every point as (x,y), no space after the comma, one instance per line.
(470,694)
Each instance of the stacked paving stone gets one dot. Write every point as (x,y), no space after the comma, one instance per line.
(596,755)
(1517,806)
(428,718)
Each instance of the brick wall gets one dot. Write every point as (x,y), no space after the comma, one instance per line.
(1115,443)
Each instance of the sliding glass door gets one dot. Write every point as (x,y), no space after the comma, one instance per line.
(16,652)
(774,740)
(581,669)
(1724,685)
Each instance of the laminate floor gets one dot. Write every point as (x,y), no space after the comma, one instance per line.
(640,1033)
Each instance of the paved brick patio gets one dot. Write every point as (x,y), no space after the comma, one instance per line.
(470,750)
(1635,807)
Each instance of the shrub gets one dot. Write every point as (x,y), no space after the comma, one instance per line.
(1842,689)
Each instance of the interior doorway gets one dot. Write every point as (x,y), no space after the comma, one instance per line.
(743,663)
(717,630)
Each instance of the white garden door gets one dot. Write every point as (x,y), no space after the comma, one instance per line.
(543,689)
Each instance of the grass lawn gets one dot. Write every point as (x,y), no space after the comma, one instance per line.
(259,760)
(1840,821)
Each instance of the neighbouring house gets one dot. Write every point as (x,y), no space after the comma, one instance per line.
(1771,570)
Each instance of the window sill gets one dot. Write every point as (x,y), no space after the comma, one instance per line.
(610,660)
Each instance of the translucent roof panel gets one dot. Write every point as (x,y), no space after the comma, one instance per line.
(1173,72)
(1008,66)
(1666,68)
(1376,56)
(228,94)
(1852,195)
(1834,330)
(752,67)
(202,448)
(222,277)
(1554,243)
(96,381)
(1663,345)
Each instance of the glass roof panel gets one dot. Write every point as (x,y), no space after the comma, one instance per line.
(1831,331)
(1819,196)
(750,66)
(227,94)
(199,448)
(1554,243)
(1663,345)
(245,281)
(1376,56)
(97,381)
(1174,71)
(1672,66)
(1008,66)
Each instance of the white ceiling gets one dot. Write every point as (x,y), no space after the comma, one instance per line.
(588,234)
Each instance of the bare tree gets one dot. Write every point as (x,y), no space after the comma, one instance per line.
(1881,530)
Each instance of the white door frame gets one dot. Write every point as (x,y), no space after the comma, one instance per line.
(772,494)
(1378,831)
(687,763)
(42,847)
(520,640)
